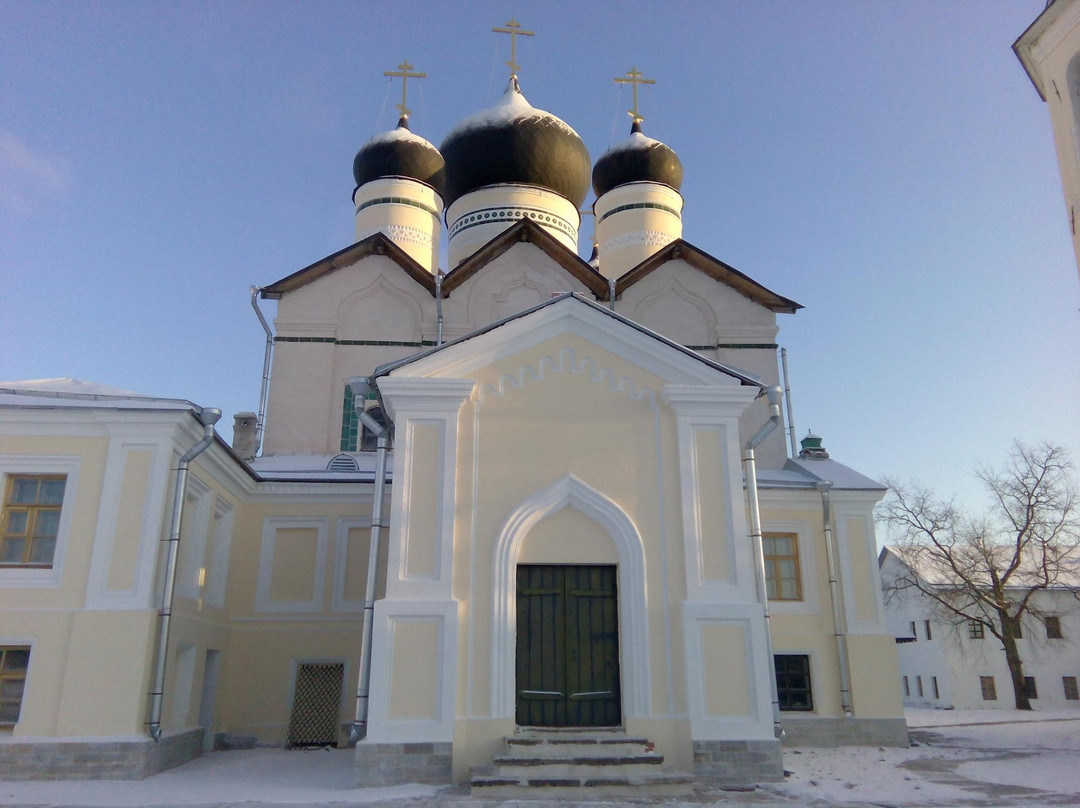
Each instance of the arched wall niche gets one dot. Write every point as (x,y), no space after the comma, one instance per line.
(380,311)
(571,492)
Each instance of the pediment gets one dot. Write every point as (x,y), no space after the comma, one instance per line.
(568,315)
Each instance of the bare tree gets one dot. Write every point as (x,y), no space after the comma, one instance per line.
(987,569)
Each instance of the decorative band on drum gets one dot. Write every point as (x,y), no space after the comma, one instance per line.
(508,213)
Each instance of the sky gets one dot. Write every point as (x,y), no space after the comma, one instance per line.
(887,165)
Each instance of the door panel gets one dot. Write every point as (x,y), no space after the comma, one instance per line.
(567,646)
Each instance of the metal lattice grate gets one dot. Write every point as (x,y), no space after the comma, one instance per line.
(315,705)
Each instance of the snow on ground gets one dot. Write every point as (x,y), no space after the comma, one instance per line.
(961,751)
(276,776)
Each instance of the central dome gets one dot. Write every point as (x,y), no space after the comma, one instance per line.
(513,142)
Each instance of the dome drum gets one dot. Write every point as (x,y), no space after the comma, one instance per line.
(634,221)
(407,211)
(477,217)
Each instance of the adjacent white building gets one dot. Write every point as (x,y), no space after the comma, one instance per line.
(962,666)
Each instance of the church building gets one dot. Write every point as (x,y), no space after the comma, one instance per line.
(508,517)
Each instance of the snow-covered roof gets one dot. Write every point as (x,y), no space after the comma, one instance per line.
(314,467)
(513,106)
(68,392)
(1068,578)
(806,473)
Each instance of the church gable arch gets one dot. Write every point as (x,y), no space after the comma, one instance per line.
(380,311)
(678,314)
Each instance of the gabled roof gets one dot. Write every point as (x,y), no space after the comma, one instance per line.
(376,244)
(528,231)
(714,268)
(593,309)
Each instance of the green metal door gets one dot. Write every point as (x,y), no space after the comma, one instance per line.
(567,646)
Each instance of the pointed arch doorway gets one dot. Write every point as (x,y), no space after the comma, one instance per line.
(567,656)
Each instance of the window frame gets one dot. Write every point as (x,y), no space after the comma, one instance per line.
(1052,622)
(17,675)
(929,631)
(976,630)
(1069,685)
(783,690)
(1031,689)
(34,511)
(23,576)
(776,580)
(988,688)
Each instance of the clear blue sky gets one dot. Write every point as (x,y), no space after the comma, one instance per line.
(888,165)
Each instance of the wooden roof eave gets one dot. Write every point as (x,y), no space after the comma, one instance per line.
(528,231)
(376,244)
(714,268)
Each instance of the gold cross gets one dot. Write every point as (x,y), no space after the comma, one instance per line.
(514,29)
(404,72)
(635,78)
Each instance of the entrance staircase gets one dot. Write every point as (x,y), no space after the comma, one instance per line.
(578,763)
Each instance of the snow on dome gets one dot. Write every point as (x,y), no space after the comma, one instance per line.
(637,159)
(399,153)
(513,142)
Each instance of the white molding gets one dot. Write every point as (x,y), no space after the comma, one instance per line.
(758,724)
(218,573)
(271,525)
(709,408)
(805,536)
(633,605)
(415,402)
(70,465)
(338,602)
(382,728)
(841,513)
(196,518)
(139,595)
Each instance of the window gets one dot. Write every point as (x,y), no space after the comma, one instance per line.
(1013,626)
(907,687)
(929,633)
(1053,628)
(911,628)
(31,519)
(1030,690)
(976,630)
(986,684)
(937,693)
(918,686)
(782,579)
(793,681)
(1072,693)
(14,661)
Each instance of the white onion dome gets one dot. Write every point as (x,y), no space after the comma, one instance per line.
(400,153)
(637,159)
(513,142)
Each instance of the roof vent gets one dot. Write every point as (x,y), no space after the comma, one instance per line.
(812,448)
(343,462)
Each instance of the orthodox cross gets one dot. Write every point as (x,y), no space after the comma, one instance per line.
(404,72)
(514,29)
(634,77)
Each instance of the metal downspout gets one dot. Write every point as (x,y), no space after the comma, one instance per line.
(261,420)
(837,604)
(363,685)
(207,416)
(611,293)
(774,394)
(790,410)
(438,308)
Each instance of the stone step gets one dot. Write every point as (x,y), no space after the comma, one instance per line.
(575,743)
(548,766)
(660,784)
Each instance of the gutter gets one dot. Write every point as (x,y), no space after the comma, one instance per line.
(839,628)
(360,385)
(260,422)
(775,396)
(207,416)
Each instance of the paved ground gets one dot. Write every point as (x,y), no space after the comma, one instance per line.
(993,761)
